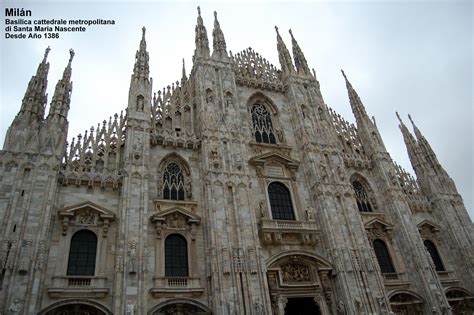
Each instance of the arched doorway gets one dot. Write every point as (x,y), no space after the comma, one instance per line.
(460,300)
(299,283)
(302,306)
(179,306)
(405,303)
(75,307)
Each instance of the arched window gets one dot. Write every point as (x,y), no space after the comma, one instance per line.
(262,124)
(383,257)
(176,256)
(82,254)
(363,202)
(173,182)
(280,202)
(431,248)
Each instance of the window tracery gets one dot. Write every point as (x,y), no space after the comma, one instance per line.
(362,198)
(173,182)
(433,251)
(262,124)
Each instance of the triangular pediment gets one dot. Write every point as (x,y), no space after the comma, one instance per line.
(432,226)
(378,222)
(189,216)
(268,157)
(103,213)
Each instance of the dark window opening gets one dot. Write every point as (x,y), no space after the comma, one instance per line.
(383,257)
(431,248)
(176,256)
(82,254)
(280,202)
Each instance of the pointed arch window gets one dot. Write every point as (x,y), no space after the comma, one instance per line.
(262,124)
(280,202)
(362,198)
(173,182)
(431,248)
(176,256)
(82,254)
(383,256)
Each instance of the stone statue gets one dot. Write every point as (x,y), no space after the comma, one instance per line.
(130,309)
(14,307)
(261,206)
(309,214)
(341,308)
(259,308)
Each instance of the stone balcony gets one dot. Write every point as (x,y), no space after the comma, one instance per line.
(78,286)
(276,232)
(169,286)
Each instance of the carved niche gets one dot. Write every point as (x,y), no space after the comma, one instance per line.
(175,219)
(86,214)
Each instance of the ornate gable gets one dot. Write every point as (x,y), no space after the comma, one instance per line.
(378,228)
(428,230)
(86,214)
(274,164)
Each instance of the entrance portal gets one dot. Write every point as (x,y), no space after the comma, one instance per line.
(302,306)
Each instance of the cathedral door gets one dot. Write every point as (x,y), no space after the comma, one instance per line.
(302,306)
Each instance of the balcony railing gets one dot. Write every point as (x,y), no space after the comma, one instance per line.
(74,286)
(187,285)
(284,231)
(390,276)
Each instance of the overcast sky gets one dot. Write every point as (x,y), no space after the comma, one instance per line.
(410,57)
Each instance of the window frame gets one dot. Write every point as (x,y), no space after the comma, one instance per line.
(389,257)
(89,262)
(186,256)
(290,195)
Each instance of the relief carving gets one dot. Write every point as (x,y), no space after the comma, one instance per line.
(293,272)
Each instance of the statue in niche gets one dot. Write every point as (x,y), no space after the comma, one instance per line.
(140,103)
(130,310)
(324,173)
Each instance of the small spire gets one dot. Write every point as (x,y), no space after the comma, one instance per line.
(201,40)
(298,56)
(219,44)
(424,145)
(184,78)
(62,94)
(410,142)
(284,55)
(141,67)
(35,98)
(356,104)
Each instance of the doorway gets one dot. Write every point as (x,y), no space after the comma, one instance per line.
(302,306)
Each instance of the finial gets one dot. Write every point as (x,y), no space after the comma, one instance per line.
(46,52)
(215,15)
(291,33)
(411,120)
(199,11)
(71,54)
(143,30)
(276,29)
(399,119)
(344,74)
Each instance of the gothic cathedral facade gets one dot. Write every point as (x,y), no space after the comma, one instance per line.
(235,190)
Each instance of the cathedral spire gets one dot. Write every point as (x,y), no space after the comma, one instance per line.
(202,43)
(284,55)
(218,44)
(298,56)
(410,143)
(141,68)
(184,78)
(424,145)
(62,94)
(356,104)
(35,97)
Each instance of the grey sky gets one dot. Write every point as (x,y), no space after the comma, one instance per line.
(413,57)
